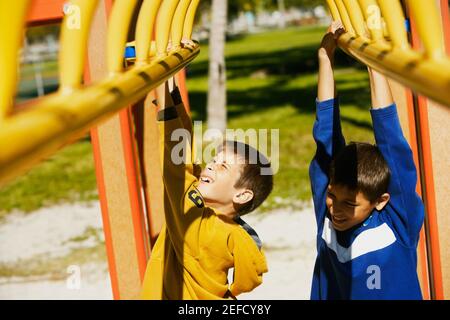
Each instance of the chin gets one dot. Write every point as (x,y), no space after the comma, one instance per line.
(338,227)
(341,226)
(203,191)
(206,192)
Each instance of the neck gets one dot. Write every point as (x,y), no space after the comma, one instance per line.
(223,209)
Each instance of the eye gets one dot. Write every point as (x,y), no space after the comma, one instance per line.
(331,195)
(350,204)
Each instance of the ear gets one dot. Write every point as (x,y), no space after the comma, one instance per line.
(243,196)
(382,201)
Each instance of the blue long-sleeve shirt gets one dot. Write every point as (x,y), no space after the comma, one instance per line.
(376,259)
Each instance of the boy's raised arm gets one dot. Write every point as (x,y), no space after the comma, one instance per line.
(176,128)
(380,90)
(185,120)
(326,88)
(407,207)
(178,102)
(327,131)
(182,204)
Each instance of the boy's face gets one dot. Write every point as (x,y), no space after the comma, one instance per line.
(348,208)
(217,181)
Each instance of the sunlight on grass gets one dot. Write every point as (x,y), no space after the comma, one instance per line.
(68,176)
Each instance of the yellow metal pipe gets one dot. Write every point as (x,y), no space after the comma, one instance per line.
(345,18)
(178,22)
(12,24)
(428,21)
(163,24)
(144,29)
(75,31)
(189,21)
(385,29)
(372,15)
(56,120)
(356,17)
(395,20)
(118,26)
(430,78)
(333,10)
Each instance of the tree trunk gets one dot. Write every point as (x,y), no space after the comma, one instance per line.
(282,10)
(217,102)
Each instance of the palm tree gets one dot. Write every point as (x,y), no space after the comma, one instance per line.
(217,102)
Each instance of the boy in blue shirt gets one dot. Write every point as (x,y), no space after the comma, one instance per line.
(368,213)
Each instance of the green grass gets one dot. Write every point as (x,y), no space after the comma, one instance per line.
(27,85)
(271,84)
(68,176)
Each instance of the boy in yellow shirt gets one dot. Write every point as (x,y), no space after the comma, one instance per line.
(204,236)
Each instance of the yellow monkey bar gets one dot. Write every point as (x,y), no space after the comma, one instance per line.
(427,72)
(42,128)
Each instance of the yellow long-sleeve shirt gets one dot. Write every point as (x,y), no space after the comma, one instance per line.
(197,246)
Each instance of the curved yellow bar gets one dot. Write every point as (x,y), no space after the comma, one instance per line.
(356,17)
(333,10)
(396,59)
(144,29)
(345,18)
(118,26)
(74,37)
(372,14)
(395,21)
(428,77)
(12,24)
(163,24)
(189,21)
(385,29)
(178,22)
(55,120)
(429,26)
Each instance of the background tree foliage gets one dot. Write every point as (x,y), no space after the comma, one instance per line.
(236,6)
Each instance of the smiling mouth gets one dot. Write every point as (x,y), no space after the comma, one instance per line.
(338,221)
(206,179)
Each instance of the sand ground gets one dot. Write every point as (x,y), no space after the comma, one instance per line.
(288,237)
